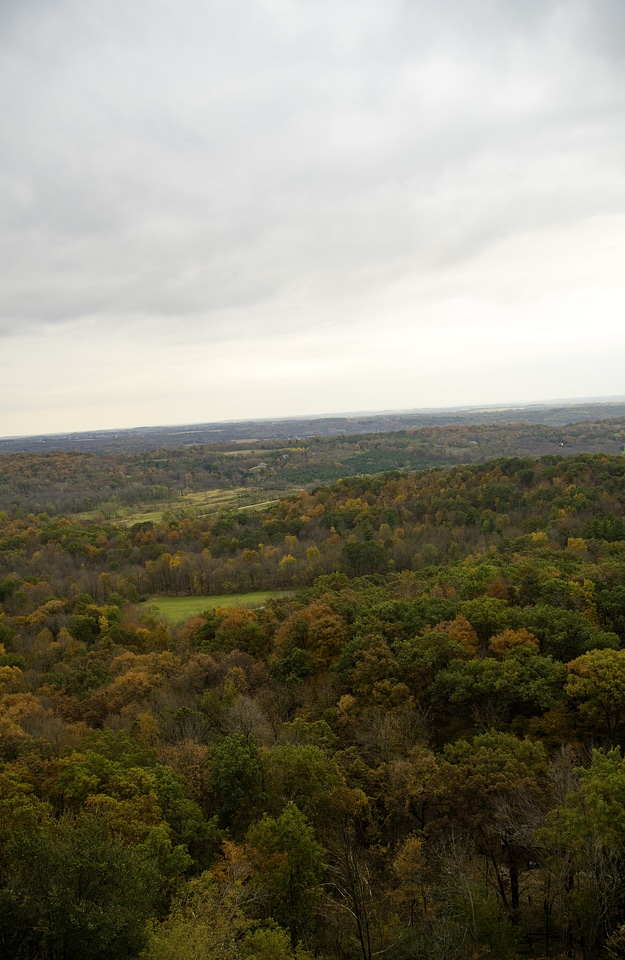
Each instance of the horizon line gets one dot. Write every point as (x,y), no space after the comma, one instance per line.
(562,402)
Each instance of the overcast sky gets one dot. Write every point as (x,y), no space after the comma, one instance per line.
(226,209)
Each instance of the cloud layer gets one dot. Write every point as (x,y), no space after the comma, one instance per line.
(274,207)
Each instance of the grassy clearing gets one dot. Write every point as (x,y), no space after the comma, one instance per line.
(200,504)
(178,609)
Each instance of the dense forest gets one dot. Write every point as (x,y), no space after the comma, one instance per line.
(415,753)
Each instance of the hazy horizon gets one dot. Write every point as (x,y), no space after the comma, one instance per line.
(339,414)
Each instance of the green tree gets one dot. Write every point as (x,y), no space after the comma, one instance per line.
(584,848)
(80,891)
(364,557)
(203,924)
(289,866)
(596,685)
(300,774)
(271,942)
(522,684)
(236,781)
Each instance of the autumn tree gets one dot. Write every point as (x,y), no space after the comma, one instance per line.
(493,783)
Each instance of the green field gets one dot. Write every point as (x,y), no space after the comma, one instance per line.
(178,609)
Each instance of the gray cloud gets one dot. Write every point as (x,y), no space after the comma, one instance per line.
(232,167)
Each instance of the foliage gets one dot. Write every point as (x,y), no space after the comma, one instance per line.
(413,751)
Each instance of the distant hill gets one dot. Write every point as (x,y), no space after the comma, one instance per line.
(175,437)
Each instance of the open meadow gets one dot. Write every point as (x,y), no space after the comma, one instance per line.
(179,609)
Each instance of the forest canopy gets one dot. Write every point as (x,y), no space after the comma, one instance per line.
(415,749)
